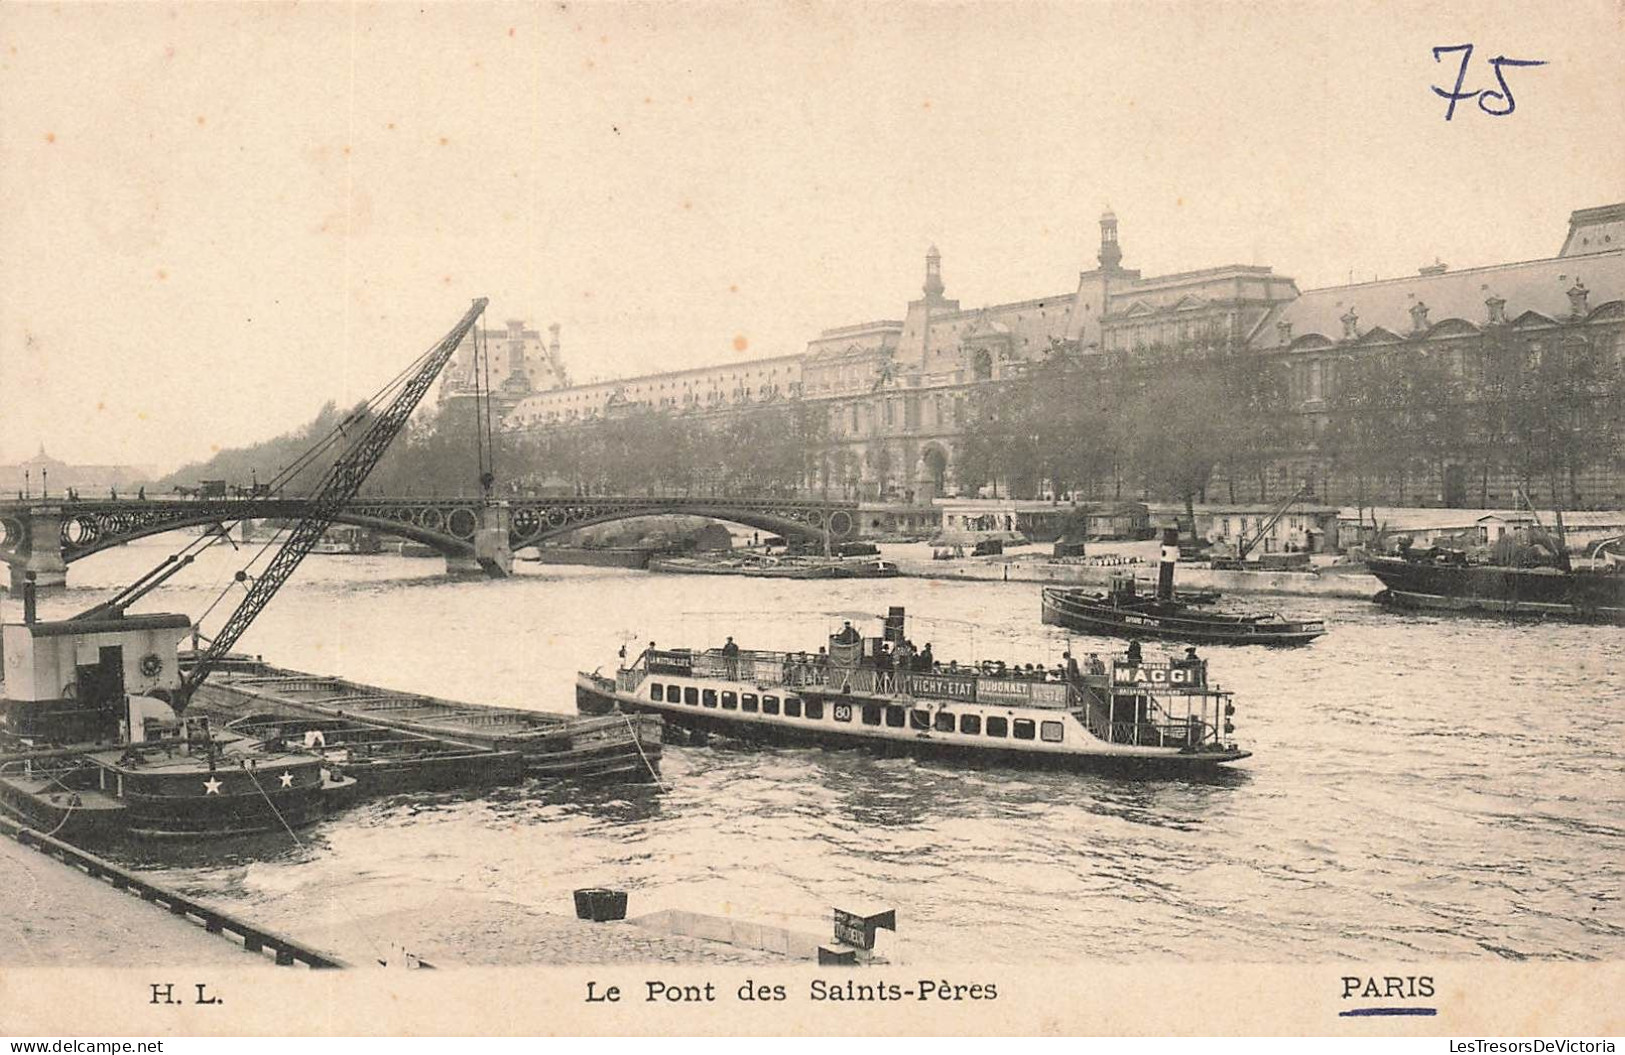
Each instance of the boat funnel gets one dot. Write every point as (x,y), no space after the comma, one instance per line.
(1165,570)
(894,624)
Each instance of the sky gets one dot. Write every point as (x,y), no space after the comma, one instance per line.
(218,217)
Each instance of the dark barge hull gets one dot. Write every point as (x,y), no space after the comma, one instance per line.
(52,812)
(1087,614)
(171,800)
(1582,596)
(596,696)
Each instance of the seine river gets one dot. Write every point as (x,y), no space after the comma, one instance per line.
(1420,786)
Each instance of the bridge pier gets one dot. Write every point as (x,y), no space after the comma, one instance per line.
(42,553)
(493,552)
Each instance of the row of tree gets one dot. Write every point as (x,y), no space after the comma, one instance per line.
(1169,421)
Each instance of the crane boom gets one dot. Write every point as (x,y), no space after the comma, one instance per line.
(1247,544)
(341,484)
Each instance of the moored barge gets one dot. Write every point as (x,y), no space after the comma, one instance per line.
(760,566)
(619,747)
(1144,716)
(1446,581)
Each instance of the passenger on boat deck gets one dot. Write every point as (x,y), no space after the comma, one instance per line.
(1071,666)
(822,659)
(1134,655)
(848,636)
(1095,664)
(924,661)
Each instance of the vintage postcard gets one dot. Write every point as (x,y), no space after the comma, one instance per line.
(821,518)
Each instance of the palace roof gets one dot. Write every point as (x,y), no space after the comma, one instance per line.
(1540,286)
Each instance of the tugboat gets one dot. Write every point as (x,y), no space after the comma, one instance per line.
(93,741)
(1145,716)
(1123,612)
(92,750)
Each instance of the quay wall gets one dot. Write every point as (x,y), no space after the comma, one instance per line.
(57,916)
(1360,585)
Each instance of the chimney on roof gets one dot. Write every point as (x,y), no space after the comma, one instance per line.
(1351,325)
(553,340)
(1435,268)
(1577,298)
(1419,316)
(1497,308)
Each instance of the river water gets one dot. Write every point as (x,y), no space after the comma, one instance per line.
(1421,785)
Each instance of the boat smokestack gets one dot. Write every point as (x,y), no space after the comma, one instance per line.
(30,598)
(1165,570)
(894,625)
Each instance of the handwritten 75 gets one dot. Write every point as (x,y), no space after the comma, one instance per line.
(1484,95)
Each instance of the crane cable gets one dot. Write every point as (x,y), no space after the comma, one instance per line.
(280,482)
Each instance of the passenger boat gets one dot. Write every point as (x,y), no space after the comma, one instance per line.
(1446,581)
(1122,611)
(347,540)
(89,747)
(548,745)
(1140,715)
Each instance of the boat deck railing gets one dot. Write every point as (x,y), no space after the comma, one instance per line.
(804,671)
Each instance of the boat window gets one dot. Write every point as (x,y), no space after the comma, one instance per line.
(896,716)
(747,702)
(1051,732)
(770,705)
(919,719)
(792,707)
(945,722)
(657,691)
(871,714)
(815,709)
(691,696)
(730,701)
(1023,729)
(998,726)
(970,723)
(709,697)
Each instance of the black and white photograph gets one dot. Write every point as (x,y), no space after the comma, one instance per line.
(829,517)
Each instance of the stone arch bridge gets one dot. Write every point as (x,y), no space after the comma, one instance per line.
(45,535)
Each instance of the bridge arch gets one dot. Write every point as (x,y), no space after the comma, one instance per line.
(838,523)
(72,531)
